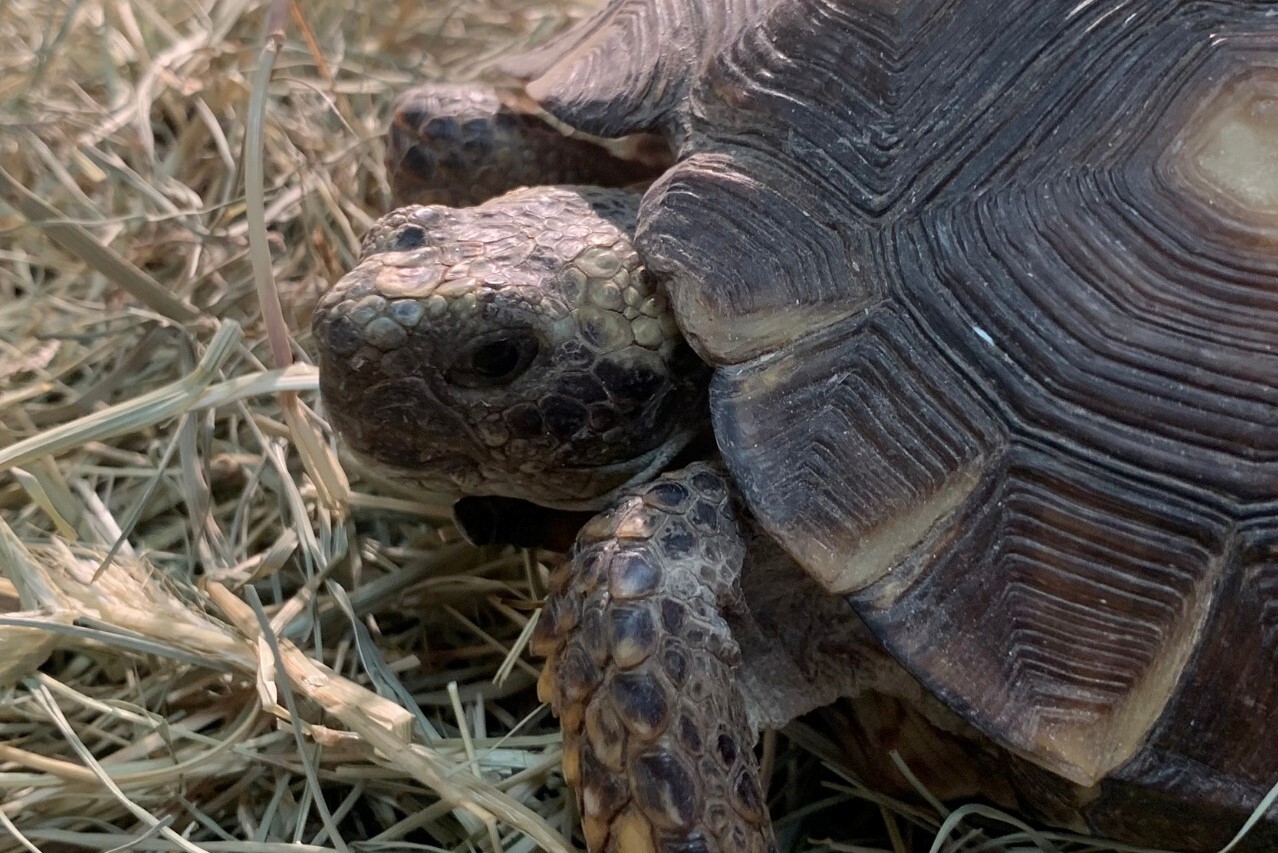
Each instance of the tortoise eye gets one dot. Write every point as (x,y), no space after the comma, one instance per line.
(494,360)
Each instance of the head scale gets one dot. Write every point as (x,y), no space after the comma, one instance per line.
(516,349)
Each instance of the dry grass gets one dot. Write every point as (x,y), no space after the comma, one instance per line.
(209,640)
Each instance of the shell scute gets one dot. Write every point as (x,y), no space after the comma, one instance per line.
(994,305)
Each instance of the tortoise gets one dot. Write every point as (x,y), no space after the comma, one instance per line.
(979,304)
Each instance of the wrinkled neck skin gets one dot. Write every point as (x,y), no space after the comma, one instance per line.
(498,520)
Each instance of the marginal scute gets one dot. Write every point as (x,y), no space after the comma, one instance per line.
(626,69)
(1081,626)
(1229,675)
(759,293)
(890,445)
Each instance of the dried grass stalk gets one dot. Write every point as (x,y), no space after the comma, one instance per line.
(208,638)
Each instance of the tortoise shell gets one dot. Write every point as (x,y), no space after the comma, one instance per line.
(992,293)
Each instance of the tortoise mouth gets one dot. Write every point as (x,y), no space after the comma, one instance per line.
(455,475)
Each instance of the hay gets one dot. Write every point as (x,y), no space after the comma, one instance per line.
(209,639)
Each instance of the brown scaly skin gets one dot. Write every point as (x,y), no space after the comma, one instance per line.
(641,671)
(463,144)
(513,349)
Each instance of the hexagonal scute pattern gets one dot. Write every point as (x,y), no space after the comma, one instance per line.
(993,303)
(640,670)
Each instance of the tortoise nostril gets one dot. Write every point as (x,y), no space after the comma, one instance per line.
(342,336)
(409,237)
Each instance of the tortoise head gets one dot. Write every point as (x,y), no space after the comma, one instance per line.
(515,349)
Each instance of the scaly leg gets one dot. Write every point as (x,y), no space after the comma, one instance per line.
(641,672)
(462,144)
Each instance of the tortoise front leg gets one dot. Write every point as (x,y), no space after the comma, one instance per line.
(641,672)
(461,144)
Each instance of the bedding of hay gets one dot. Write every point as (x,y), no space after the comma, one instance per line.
(209,639)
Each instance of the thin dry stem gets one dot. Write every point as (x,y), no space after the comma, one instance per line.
(159,466)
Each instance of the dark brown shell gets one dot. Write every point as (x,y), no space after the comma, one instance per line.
(993,290)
